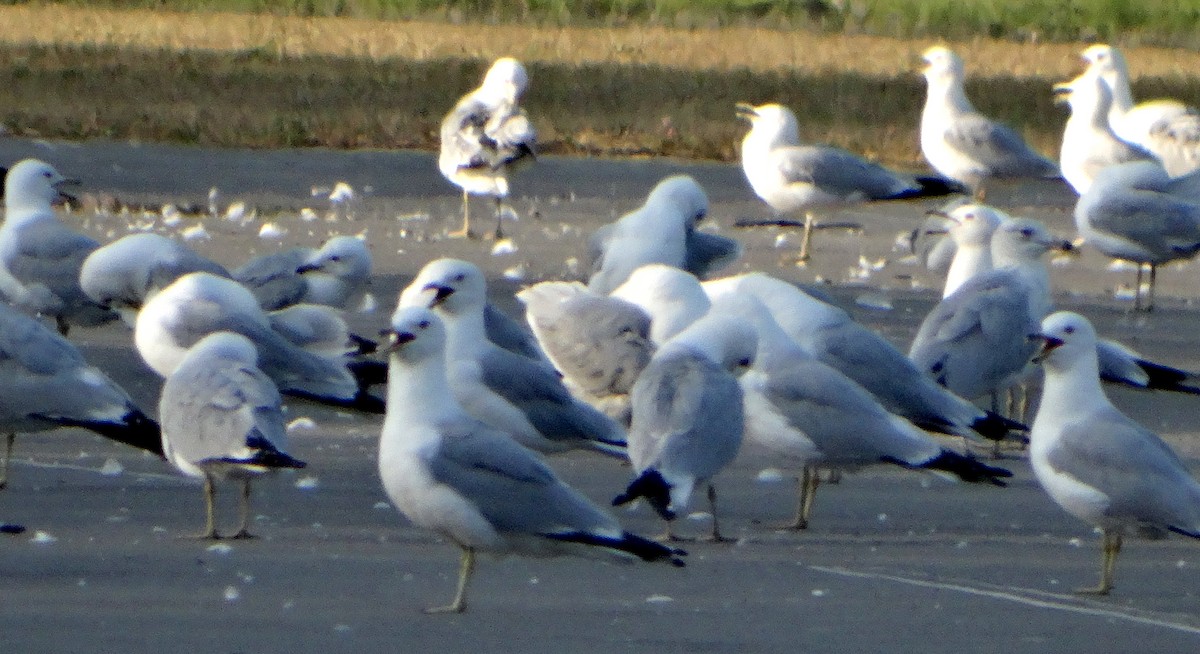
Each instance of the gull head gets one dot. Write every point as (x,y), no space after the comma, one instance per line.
(1104,60)
(672,297)
(1064,338)
(682,194)
(33,184)
(1086,95)
(973,224)
(730,342)
(1019,240)
(415,333)
(451,286)
(941,63)
(223,345)
(346,257)
(505,79)
(772,123)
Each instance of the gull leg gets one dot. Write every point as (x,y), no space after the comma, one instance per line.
(712,507)
(8,448)
(804,243)
(1137,290)
(464,575)
(499,218)
(1108,562)
(210,528)
(465,232)
(244,530)
(810,478)
(1150,291)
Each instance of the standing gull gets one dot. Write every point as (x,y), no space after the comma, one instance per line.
(1095,462)
(687,416)
(512,393)
(40,257)
(486,136)
(45,383)
(963,144)
(472,484)
(222,418)
(810,413)
(1136,212)
(790,176)
(1168,129)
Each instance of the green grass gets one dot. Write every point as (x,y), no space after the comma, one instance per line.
(1158,22)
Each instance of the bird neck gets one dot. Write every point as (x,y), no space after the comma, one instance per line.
(418,391)
(466,335)
(1073,389)
(970,260)
(1122,96)
(946,96)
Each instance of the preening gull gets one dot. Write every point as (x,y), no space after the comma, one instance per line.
(1095,462)
(688,416)
(671,297)
(125,273)
(335,274)
(832,337)
(45,383)
(222,418)
(40,257)
(1136,212)
(517,395)
(656,232)
(791,177)
(1168,129)
(600,344)
(1089,144)
(963,144)
(486,136)
(199,304)
(472,484)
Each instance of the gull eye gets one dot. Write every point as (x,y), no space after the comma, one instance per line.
(423,324)
(1069,329)
(335,258)
(459,277)
(745,362)
(1027,232)
(47,174)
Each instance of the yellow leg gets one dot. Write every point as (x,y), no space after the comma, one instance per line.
(804,243)
(465,232)
(464,575)
(210,526)
(244,530)
(716,536)
(499,218)
(810,478)
(1108,562)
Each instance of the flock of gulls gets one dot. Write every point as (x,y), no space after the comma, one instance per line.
(656,361)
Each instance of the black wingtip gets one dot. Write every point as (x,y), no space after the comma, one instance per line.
(136,429)
(643,548)
(966,468)
(1166,378)
(996,427)
(362,401)
(11,529)
(368,373)
(650,485)
(363,345)
(930,187)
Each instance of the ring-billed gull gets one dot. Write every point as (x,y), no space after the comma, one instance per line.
(335,274)
(688,417)
(222,418)
(1135,212)
(485,136)
(199,304)
(472,484)
(963,144)
(975,342)
(600,344)
(810,413)
(790,176)
(1089,144)
(520,396)
(971,228)
(1167,128)
(45,383)
(829,334)
(124,274)
(1097,463)
(40,257)
(662,230)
